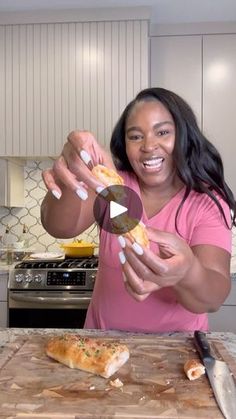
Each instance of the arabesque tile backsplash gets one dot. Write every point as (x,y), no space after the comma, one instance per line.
(39,239)
(15,218)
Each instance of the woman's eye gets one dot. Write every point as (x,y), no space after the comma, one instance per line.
(135,137)
(163,132)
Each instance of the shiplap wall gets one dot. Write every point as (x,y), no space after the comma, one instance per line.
(56,77)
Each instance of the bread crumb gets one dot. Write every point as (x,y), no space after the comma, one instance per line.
(116,383)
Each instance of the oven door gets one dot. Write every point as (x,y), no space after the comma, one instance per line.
(55,309)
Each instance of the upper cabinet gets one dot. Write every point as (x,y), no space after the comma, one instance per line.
(57,77)
(219,98)
(12,190)
(201,69)
(176,65)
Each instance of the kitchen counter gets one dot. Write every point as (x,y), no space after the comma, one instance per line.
(154,384)
(8,335)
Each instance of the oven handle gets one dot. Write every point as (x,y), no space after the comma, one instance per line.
(52,300)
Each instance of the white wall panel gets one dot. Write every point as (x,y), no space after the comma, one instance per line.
(57,77)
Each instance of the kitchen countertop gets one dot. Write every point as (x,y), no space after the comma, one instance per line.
(8,335)
(155,386)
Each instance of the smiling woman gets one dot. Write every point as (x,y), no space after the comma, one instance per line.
(161,154)
(150,140)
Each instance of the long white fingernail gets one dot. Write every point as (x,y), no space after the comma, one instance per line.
(85,156)
(122,258)
(81,194)
(56,193)
(101,190)
(122,242)
(137,248)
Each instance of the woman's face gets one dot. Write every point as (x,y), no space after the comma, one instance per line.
(150,139)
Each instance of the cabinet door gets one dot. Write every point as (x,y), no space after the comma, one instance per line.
(58,77)
(223,320)
(11,184)
(176,65)
(219,98)
(3,286)
(3,314)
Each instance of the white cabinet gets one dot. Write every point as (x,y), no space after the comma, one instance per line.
(219,98)
(176,65)
(59,77)
(224,319)
(202,70)
(11,183)
(3,299)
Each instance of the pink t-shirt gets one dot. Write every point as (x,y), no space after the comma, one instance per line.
(111,307)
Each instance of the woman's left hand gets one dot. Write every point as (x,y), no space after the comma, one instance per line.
(146,272)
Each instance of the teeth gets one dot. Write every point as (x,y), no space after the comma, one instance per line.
(153,162)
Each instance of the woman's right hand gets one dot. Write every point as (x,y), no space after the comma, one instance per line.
(72,169)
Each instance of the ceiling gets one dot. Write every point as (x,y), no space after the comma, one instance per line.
(162,11)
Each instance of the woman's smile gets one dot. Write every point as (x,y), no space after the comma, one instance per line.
(150,139)
(153,164)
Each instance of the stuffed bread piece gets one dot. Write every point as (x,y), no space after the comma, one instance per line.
(97,356)
(136,230)
(193,368)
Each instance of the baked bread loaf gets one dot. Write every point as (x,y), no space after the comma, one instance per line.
(107,176)
(98,356)
(136,230)
(193,368)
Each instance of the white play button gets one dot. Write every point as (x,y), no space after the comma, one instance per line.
(116,209)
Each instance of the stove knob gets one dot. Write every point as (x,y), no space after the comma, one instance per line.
(28,278)
(38,278)
(19,277)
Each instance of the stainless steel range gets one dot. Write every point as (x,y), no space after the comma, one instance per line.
(53,293)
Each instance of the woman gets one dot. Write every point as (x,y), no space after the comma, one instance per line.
(188,210)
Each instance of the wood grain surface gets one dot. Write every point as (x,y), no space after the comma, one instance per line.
(155,386)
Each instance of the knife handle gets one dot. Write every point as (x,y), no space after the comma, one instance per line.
(202,345)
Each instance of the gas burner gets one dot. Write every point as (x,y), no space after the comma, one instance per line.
(68,263)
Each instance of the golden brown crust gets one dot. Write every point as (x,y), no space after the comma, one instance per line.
(88,354)
(193,368)
(137,230)
(107,176)
(138,234)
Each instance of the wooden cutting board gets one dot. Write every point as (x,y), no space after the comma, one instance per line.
(155,386)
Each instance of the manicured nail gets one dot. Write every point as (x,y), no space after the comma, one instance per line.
(101,190)
(81,194)
(137,248)
(122,258)
(56,193)
(85,156)
(122,242)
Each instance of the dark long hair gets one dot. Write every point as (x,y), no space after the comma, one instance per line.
(197,161)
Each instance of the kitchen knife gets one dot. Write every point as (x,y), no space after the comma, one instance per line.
(219,375)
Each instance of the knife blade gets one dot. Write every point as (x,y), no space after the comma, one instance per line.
(219,375)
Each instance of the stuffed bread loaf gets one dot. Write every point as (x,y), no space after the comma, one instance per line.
(137,231)
(98,356)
